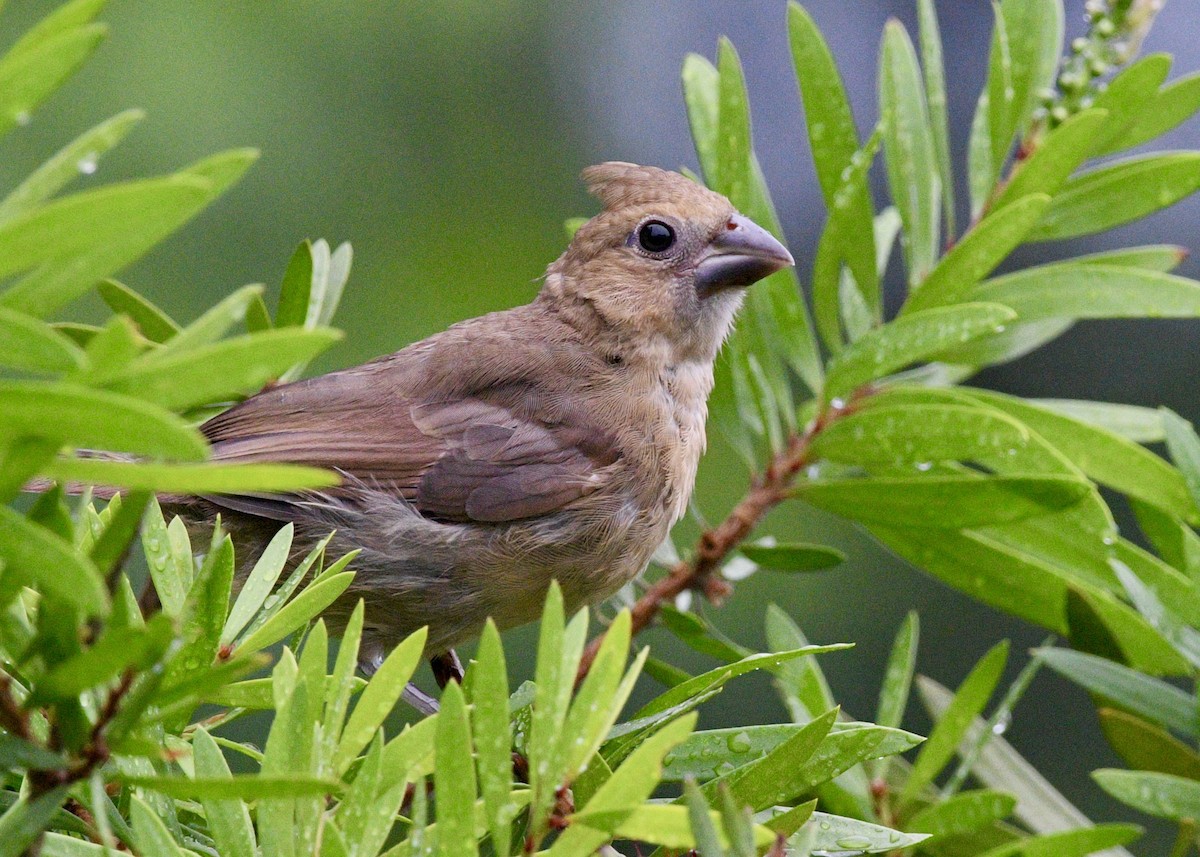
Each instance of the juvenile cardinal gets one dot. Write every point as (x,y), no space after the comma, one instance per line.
(557,440)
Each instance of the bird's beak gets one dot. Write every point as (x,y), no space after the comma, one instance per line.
(742,254)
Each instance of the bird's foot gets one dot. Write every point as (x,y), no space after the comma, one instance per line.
(447,668)
(419,699)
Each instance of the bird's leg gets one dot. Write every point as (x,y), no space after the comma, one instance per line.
(411,694)
(447,668)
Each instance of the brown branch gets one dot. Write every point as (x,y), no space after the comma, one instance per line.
(699,572)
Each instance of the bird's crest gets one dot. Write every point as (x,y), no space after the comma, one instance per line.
(620,185)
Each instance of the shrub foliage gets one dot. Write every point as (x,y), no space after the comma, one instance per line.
(115,692)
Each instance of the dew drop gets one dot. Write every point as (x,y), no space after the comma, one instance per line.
(856,843)
(837,404)
(1002,723)
(924,465)
(87,164)
(22,117)
(739,743)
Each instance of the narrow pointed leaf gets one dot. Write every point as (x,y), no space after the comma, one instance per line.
(943,502)
(76,158)
(31,345)
(978,253)
(1173,105)
(1119,193)
(81,417)
(191,478)
(911,339)
(950,729)
(1147,697)
(909,150)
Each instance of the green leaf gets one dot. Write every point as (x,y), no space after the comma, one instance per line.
(1035,33)
(670,827)
(792,556)
(1119,193)
(897,676)
(152,322)
(963,813)
(1072,290)
(281,593)
(80,417)
(1174,104)
(908,150)
(600,698)
(238,786)
(97,231)
(31,345)
(151,835)
(718,677)
(301,609)
(1184,446)
(717,752)
(1154,257)
(933,68)
(1040,806)
(228,819)
(77,157)
(1101,454)
(259,583)
(454,777)
(911,339)
(974,257)
(1049,166)
(296,288)
(379,698)
(31,74)
(628,787)
(209,327)
(559,651)
(191,478)
(25,819)
(700,84)
(1127,98)
(69,16)
(801,683)
(493,737)
(18,753)
(792,770)
(42,560)
(981,172)
(704,828)
(836,834)
(1069,843)
(950,729)
(1182,637)
(1147,697)
(214,372)
(942,502)
(115,651)
(836,290)
(1146,747)
(1138,424)
(833,140)
(912,434)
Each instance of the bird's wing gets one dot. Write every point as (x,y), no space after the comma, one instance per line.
(468,458)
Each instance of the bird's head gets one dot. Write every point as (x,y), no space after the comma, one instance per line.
(667,259)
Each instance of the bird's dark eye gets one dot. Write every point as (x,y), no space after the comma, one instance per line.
(655,236)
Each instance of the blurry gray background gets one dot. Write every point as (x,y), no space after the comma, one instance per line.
(444,140)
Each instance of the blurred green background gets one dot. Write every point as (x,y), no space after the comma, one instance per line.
(444,140)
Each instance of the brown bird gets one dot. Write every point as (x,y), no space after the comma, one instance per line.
(557,440)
